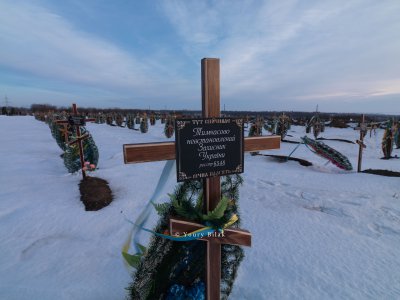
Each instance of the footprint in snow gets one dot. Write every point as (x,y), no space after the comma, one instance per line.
(293,194)
(270,183)
(391,213)
(351,203)
(337,212)
(382,229)
(311,197)
(42,242)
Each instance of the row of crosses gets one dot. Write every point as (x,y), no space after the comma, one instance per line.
(147,152)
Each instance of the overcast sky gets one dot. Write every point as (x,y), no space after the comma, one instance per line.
(343,55)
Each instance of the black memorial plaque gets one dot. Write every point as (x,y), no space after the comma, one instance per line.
(77,120)
(208,147)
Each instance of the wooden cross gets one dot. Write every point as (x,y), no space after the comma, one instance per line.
(79,138)
(146,152)
(64,131)
(360,142)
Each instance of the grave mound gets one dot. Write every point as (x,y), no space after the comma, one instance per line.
(95,193)
(382,172)
(338,140)
(283,158)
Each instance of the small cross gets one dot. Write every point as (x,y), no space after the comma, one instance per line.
(64,131)
(146,152)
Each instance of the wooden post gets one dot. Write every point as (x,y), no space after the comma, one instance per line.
(360,142)
(211,186)
(80,145)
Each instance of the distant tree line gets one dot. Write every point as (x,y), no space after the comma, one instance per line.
(296,115)
(14,111)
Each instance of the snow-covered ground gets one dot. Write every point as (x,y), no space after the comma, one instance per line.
(318,232)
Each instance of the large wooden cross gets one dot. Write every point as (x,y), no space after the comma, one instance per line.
(79,138)
(146,152)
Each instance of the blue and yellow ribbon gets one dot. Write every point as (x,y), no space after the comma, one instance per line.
(132,260)
(194,235)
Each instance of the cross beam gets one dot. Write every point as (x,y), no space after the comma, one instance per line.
(146,152)
(231,236)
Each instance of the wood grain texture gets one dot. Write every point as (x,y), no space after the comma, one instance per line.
(146,152)
(80,145)
(211,186)
(213,271)
(232,236)
(210,87)
(259,143)
(211,193)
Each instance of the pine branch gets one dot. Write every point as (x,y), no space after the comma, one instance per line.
(218,212)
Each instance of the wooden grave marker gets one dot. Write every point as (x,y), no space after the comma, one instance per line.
(64,131)
(77,120)
(363,131)
(147,152)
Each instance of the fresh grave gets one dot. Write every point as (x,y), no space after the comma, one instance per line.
(80,154)
(200,280)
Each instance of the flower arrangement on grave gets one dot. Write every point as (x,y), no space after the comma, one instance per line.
(256,130)
(89,167)
(175,270)
(144,125)
(256,127)
(119,120)
(169,127)
(110,120)
(60,133)
(396,134)
(130,121)
(321,149)
(280,125)
(317,129)
(40,116)
(90,152)
(316,124)
(152,119)
(387,141)
(137,119)
(102,118)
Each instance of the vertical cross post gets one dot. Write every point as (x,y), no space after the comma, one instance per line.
(360,142)
(64,131)
(211,186)
(80,145)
